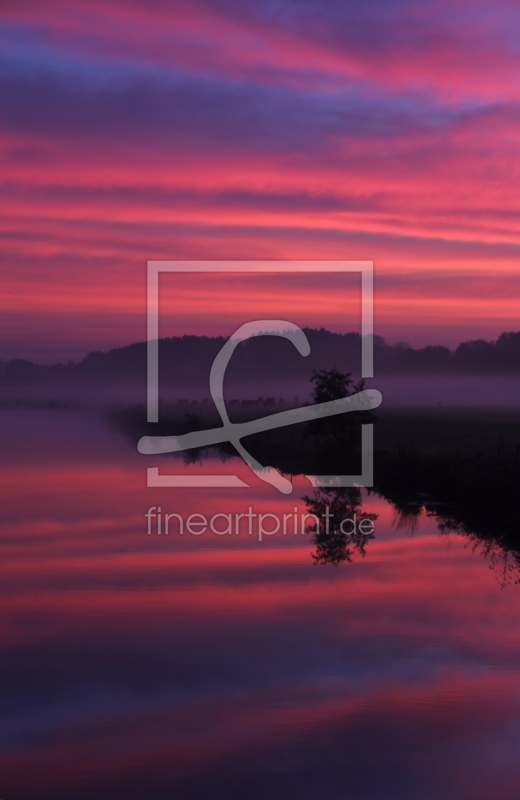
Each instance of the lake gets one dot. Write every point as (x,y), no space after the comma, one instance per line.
(215,665)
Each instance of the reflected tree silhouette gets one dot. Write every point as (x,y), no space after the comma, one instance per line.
(475,496)
(501,550)
(335,506)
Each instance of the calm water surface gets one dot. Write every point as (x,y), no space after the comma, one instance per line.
(136,665)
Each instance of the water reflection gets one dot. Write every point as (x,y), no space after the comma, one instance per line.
(470,491)
(339,530)
(471,495)
(151,666)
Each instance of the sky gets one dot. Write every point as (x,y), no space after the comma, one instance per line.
(385,130)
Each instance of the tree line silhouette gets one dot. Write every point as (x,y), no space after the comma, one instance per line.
(188,359)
